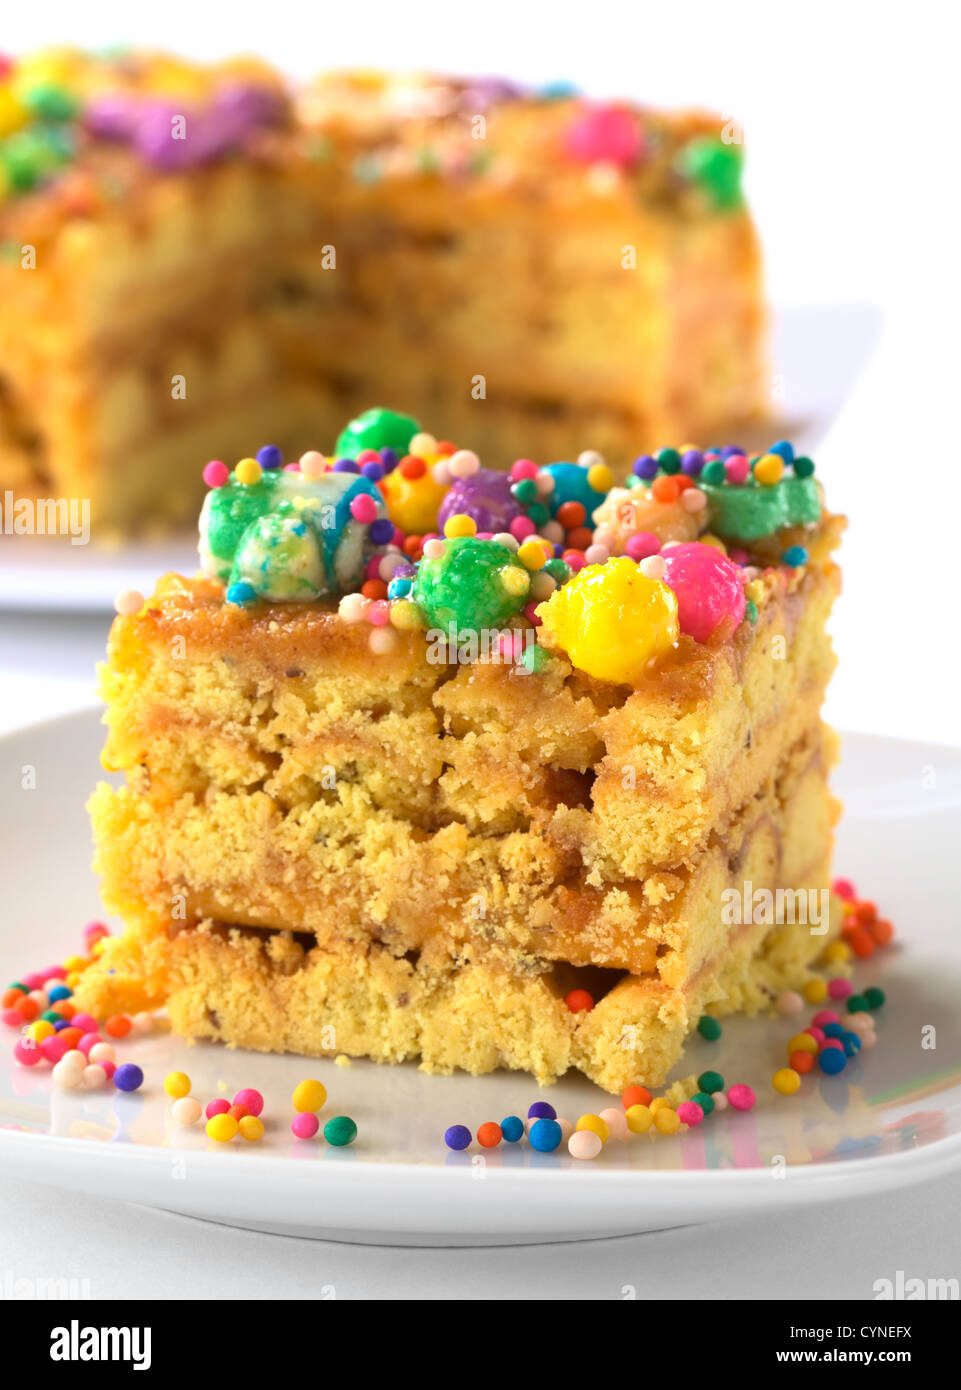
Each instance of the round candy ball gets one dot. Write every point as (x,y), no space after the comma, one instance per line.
(309,1095)
(489,1135)
(710,1081)
(222,1128)
(612,620)
(217,1107)
(129,1077)
(709,589)
(584,1144)
(305,1124)
(252,1099)
(457,1137)
(485,496)
(340,1131)
(741,1097)
(690,1113)
(186,1111)
(177,1084)
(545,1136)
(472,584)
(512,1128)
(832,1060)
(541,1110)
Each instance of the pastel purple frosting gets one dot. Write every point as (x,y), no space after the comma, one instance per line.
(236,111)
(485,497)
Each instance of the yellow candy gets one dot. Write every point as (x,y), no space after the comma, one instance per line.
(802,1042)
(716,541)
(40,1029)
(177,1084)
(838,953)
(12,114)
(514,581)
(251,1128)
(405,615)
(769,469)
(815,991)
(596,1125)
(667,1120)
(532,555)
(639,1119)
(460,525)
(248,471)
(612,620)
(600,477)
(413,503)
(309,1096)
(75,963)
(223,1128)
(786,1081)
(659,1103)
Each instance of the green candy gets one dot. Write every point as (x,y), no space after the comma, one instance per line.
(340,1131)
(231,511)
(281,556)
(857,1004)
(750,611)
(377,429)
(47,102)
(535,659)
(710,1081)
(874,997)
(749,511)
(464,588)
(669,461)
(705,1101)
(716,168)
(709,1028)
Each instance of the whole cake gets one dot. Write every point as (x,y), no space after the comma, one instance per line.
(195,257)
(491,771)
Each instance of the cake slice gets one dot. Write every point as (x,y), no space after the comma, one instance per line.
(195,257)
(409,795)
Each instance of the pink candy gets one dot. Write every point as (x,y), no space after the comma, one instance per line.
(54,1047)
(825,1016)
(364,509)
(690,1113)
(86,1023)
(305,1125)
(253,1100)
(641,545)
(741,1097)
(88,1041)
(216,473)
(709,590)
(27,1053)
(607,133)
(737,468)
(216,1107)
(839,988)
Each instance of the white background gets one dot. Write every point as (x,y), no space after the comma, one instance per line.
(852,129)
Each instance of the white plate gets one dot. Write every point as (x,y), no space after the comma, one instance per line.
(818,352)
(893,1117)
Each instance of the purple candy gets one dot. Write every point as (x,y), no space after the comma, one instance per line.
(270,456)
(541,1110)
(485,497)
(346,466)
(111,116)
(692,463)
(645,467)
(381,530)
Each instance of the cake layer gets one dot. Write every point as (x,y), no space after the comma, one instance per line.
(285,700)
(342,869)
(270,992)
